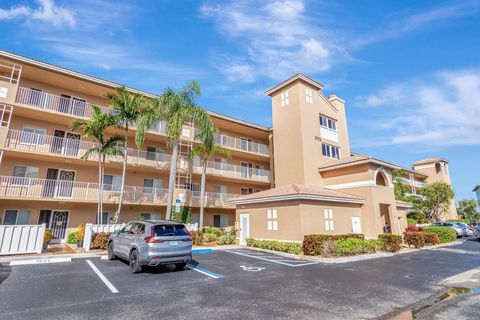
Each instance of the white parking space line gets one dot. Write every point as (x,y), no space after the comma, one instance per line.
(293,263)
(39,261)
(205,272)
(102,277)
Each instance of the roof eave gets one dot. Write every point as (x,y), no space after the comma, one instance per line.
(297,197)
(298,76)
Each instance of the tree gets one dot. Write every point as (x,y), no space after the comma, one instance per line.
(434,200)
(128,106)
(468,209)
(175,108)
(205,150)
(95,128)
(400,187)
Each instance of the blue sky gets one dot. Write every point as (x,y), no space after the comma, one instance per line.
(409,70)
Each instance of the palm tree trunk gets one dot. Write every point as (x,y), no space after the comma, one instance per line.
(100,178)
(171,180)
(124,171)
(101,189)
(202,193)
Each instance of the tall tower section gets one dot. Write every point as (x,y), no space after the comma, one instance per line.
(309,130)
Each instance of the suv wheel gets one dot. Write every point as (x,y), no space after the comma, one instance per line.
(181,266)
(135,266)
(111,254)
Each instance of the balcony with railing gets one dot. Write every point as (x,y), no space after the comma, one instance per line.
(74,148)
(81,108)
(233,171)
(44,189)
(212,199)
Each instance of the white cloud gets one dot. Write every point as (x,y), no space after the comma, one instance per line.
(46,12)
(277,38)
(439,110)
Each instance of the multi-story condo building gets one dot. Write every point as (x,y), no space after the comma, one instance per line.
(282,182)
(476,189)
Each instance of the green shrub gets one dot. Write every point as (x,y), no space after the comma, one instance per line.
(288,247)
(445,234)
(317,244)
(223,240)
(216,231)
(411,221)
(100,240)
(459,220)
(354,246)
(47,236)
(72,237)
(431,239)
(209,237)
(391,242)
(197,237)
(417,239)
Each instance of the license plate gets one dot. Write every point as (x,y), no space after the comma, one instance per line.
(174,243)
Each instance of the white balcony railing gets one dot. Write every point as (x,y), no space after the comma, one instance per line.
(82,108)
(213,199)
(233,171)
(34,188)
(44,100)
(241,144)
(414,183)
(40,143)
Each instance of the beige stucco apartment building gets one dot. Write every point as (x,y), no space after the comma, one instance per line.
(295,178)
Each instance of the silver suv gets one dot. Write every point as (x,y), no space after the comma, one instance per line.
(151,243)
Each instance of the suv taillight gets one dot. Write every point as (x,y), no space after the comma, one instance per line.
(151,238)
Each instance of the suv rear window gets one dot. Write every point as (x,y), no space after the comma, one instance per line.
(170,230)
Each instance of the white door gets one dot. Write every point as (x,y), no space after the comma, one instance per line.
(356,226)
(244,228)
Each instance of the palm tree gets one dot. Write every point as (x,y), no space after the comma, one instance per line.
(128,106)
(95,128)
(175,108)
(206,150)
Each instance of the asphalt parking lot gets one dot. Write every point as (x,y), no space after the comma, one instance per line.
(235,284)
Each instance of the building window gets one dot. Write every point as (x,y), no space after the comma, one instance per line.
(107,217)
(309,95)
(328,123)
(32,135)
(220,221)
(149,185)
(272,222)
(154,153)
(150,216)
(22,175)
(445,169)
(245,191)
(328,215)
(112,183)
(284,98)
(16,217)
(330,151)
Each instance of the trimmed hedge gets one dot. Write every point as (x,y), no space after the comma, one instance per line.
(209,237)
(100,240)
(459,220)
(417,239)
(314,244)
(431,239)
(216,231)
(445,234)
(197,237)
(223,240)
(354,246)
(288,247)
(391,242)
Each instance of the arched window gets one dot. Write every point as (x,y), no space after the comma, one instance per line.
(438,167)
(380,180)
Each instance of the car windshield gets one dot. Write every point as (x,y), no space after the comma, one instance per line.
(170,230)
